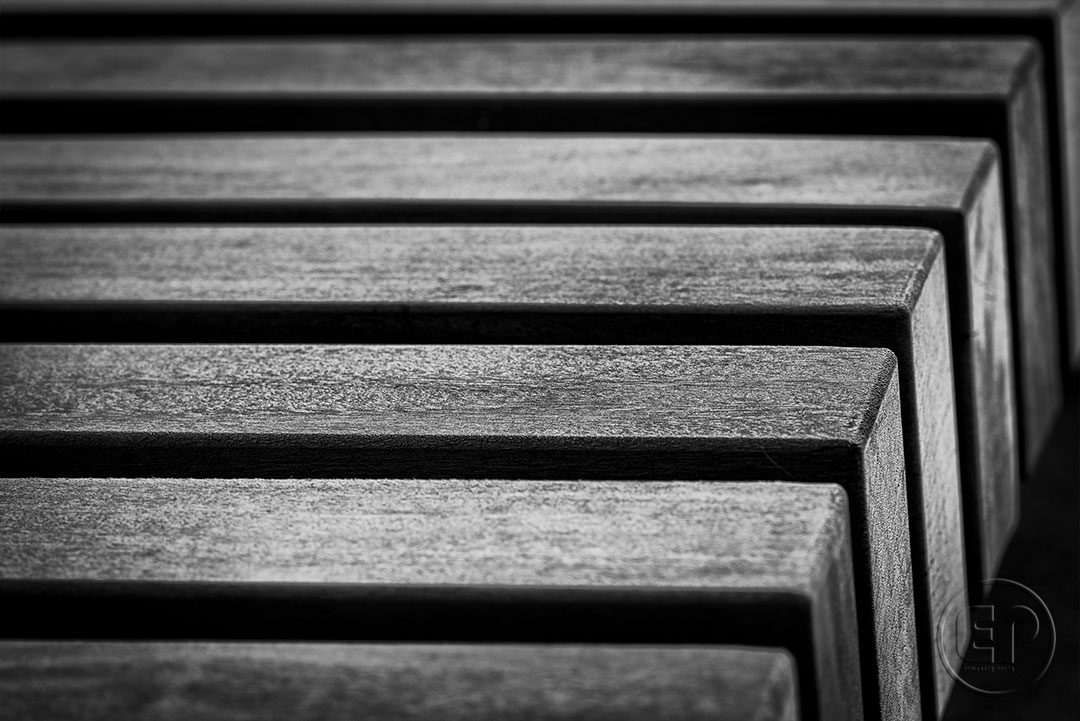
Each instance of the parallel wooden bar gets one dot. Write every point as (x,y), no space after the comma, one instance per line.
(952,186)
(973,88)
(480,284)
(660,413)
(290,681)
(596,562)
(126,435)
(1054,24)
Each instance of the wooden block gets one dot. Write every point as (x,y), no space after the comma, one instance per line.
(973,88)
(952,186)
(720,285)
(823,415)
(764,564)
(1054,24)
(79,680)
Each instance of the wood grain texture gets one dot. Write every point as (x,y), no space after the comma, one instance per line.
(720,65)
(710,545)
(1053,23)
(78,680)
(1032,268)
(403,394)
(599,84)
(930,367)
(604,412)
(637,169)
(746,285)
(388,269)
(599,180)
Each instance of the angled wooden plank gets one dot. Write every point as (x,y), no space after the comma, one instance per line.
(566,551)
(733,285)
(949,185)
(973,88)
(1054,24)
(79,680)
(815,414)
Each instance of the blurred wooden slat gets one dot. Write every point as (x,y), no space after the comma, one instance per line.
(513,67)
(809,414)
(777,8)
(765,564)
(798,286)
(541,5)
(943,88)
(114,680)
(1066,36)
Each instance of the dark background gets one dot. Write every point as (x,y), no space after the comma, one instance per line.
(1044,556)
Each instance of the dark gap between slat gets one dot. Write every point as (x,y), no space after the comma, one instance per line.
(328,23)
(253,455)
(319,322)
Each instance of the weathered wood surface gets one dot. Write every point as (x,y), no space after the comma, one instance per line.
(989,89)
(1055,24)
(766,563)
(78,680)
(602,412)
(720,65)
(951,185)
(498,167)
(871,287)
(388,269)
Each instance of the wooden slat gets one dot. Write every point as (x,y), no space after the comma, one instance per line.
(1054,24)
(951,185)
(943,88)
(602,412)
(814,286)
(78,680)
(968,7)
(512,66)
(609,562)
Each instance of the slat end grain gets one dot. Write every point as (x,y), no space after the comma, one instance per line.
(940,525)
(994,382)
(834,608)
(881,533)
(1036,267)
(780,693)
